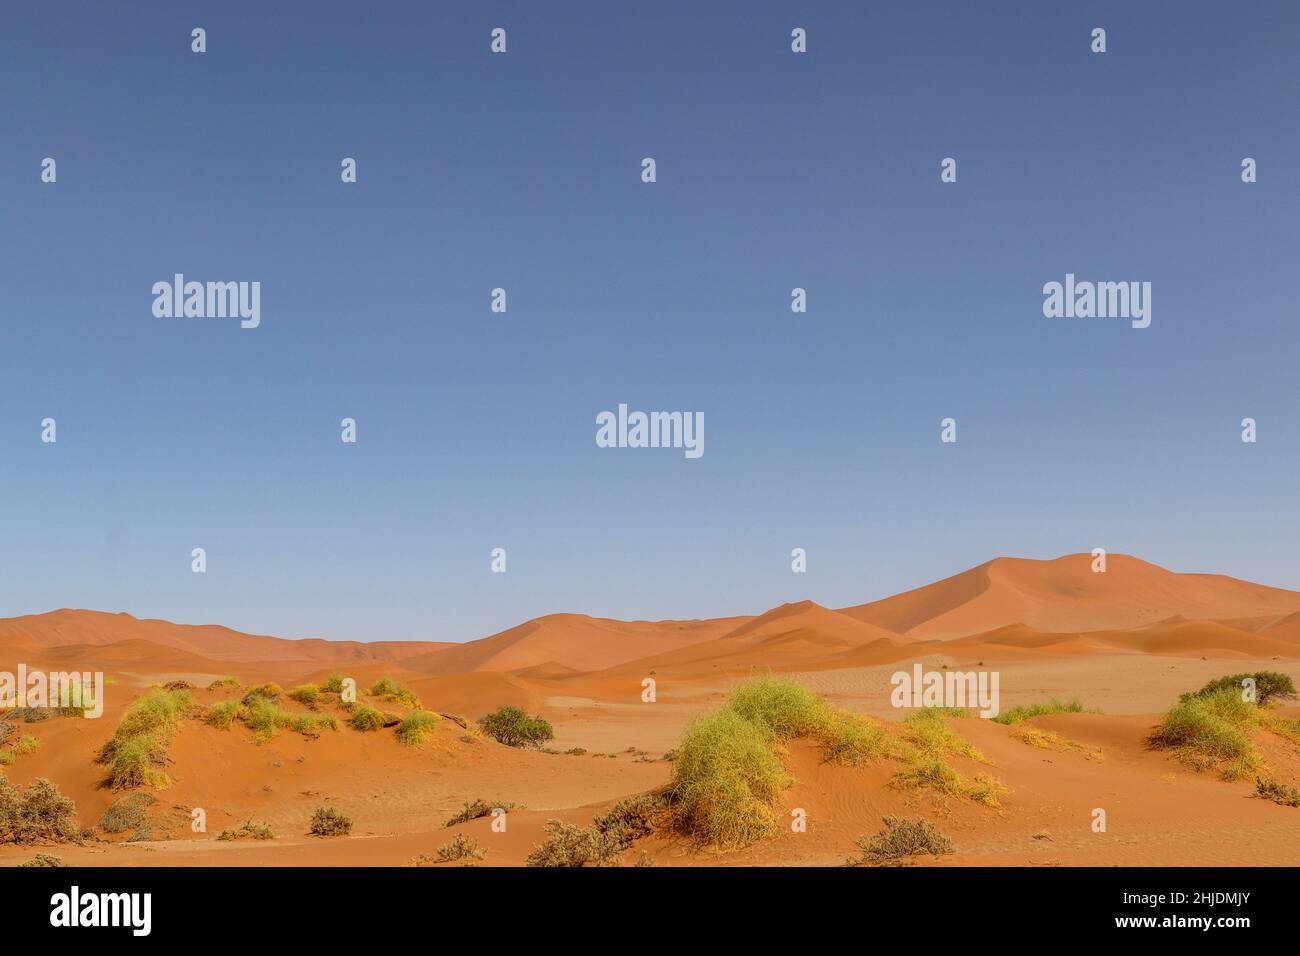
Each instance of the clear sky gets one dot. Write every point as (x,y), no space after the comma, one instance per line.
(775,170)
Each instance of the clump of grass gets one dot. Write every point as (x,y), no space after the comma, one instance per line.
(227,681)
(1046,740)
(576,751)
(264,718)
(1211,732)
(126,812)
(854,740)
(726,779)
(929,733)
(330,821)
(514,728)
(42,860)
(782,708)
(222,715)
(391,691)
(334,685)
(307,694)
(474,809)
(1270,687)
(38,814)
(138,762)
(461,848)
(7,758)
(1287,727)
(417,727)
(267,693)
(1020,714)
(900,839)
(365,717)
(248,831)
(137,751)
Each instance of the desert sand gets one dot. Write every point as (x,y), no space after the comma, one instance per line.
(1125,643)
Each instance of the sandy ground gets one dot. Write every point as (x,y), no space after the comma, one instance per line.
(1022,620)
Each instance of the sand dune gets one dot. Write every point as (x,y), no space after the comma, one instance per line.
(1128,641)
(1065,595)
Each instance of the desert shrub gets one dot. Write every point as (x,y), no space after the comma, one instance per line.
(1270,686)
(461,848)
(1018,715)
(227,681)
(264,718)
(307,694)
(267,692)
(390,690)
(929,733)
(248,831)
(137,751)
(39,814)
(330,821)
(1285,794)
(782,707)
(126,812)
(416,727)
(628,820)
(514,728)
(42,859)
(157,713)
(222,715)
(726,779)
(1211,732)
(334,685)
(137,762)
(473,809)
(854,740)
(899,839)
(570,845)
(367,718)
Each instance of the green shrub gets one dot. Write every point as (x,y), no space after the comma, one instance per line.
(854,740)
(390,690)
(264,718)
(416,727)
(222,715)
(367,718)
(307,694)
(39,814)
(899,839)
(138,762)
(726,779)
(1270,686)
(334,685)
(1018,715)
(1211,732)
(782,707)
(514,728)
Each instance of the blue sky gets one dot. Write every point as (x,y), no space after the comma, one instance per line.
(521,171)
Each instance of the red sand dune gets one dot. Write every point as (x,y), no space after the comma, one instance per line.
(1129,641)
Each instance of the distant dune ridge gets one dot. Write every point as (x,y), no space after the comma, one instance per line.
(1058,605)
